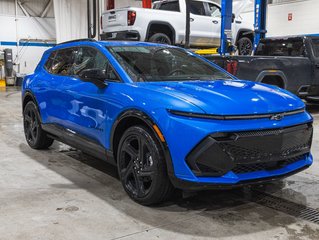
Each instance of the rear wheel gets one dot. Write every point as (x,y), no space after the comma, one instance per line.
(142,167)
(35,136)
(245,46)
(160,38)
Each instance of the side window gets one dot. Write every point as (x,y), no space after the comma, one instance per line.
(91,58)
(170,6)
(213,10)
(197,8)
(60,61)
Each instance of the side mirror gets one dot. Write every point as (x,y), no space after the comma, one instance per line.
(94,75)
(233,17)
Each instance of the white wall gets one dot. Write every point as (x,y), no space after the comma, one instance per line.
(26,57)
(305,18)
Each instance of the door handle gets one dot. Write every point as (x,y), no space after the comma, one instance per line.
(191,19)
(215,21)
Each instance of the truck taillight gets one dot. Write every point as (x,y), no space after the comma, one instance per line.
(232,66)
(131,16)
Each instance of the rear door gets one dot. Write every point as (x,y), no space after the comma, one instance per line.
(50,96)
(204,28)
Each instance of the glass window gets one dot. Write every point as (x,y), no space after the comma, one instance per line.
(148,64)
(197,8)
(60,61)
(170,6)
(71,61)
(281,47)
(213,10)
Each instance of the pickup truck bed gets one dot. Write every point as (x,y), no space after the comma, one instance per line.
(297,74)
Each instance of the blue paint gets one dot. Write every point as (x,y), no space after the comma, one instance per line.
(84,108)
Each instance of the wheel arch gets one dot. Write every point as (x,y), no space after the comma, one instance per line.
(159,24)
(243,32)
(133,117)
(279,74)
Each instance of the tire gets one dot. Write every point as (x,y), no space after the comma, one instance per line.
(145,181)
(245,46)
(35,136)
(160,38)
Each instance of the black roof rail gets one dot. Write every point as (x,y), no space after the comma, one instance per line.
(79,40)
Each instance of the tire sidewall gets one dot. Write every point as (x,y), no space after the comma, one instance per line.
(240,42)
(158,35)
(158,158)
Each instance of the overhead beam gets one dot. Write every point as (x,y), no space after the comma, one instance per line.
(46,9)
(23,9)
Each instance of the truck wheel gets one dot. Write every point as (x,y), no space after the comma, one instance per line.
(142,167)
(160,38)
(245,46)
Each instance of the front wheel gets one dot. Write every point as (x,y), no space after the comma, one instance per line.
(142,167)
(245,46)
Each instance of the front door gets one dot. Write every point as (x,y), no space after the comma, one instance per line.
(85,104)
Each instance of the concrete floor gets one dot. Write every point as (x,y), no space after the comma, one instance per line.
(62,194)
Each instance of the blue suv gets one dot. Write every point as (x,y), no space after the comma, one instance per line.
(166,117)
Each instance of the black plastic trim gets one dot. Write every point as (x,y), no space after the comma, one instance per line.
(121,35)
(78,141)
(196,186)
(234,117)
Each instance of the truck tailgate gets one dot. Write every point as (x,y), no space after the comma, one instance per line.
(114,18)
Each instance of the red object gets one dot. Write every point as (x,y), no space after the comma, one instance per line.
(232,67)
(147,4)
(289,16)
(110,4)
(131,16)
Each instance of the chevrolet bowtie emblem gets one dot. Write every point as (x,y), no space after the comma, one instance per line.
(277,117)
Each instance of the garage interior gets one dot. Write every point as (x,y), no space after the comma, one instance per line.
(63,193)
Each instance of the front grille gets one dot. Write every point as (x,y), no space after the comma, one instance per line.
(248,168)
(250,151)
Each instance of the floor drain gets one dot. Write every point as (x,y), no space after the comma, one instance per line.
(286,206)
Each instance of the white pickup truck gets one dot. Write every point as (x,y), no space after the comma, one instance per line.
(166,23)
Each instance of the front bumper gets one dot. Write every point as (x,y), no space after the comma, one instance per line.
(121,35)
(232,159)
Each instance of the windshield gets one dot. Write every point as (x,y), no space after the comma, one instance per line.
(150,64)
(281,47)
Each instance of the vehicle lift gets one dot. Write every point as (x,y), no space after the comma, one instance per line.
(226,47)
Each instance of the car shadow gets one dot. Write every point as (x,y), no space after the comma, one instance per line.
(211,213)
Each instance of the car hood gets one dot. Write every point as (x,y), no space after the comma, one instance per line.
(230,97)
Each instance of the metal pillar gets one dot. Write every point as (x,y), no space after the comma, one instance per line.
(226,24)
(260,21)
(147,4)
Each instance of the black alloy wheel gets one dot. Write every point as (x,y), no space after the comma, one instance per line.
(35,136)
(245,46)
(160,38)
(141,166)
